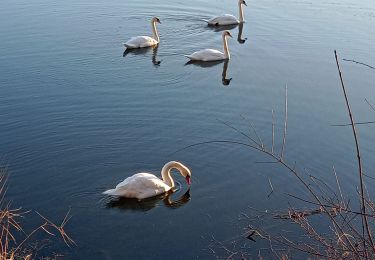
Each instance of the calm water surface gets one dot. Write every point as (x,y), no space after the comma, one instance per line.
(76,117)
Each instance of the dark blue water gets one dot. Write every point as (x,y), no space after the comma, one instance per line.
(76,117)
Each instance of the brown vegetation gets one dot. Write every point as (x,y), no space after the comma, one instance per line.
(14,240)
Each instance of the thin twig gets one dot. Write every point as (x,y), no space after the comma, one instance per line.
(237,130)
(337,182)
(285,122)
(372,107)
(269,181)
(254,130)
(361,63)
(273,131)
(359,123)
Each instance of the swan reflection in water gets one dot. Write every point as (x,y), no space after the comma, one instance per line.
(128,204)
(230,27)
(239,37)
(144,51)
(208,64)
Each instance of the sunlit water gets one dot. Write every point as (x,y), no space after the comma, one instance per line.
(76,117)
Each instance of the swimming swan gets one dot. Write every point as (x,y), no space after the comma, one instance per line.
(228,19)
(145,41)
(145,185)
(211,54)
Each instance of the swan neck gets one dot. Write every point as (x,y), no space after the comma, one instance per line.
(155,32)
(226,49)
(240,12)
(166,174)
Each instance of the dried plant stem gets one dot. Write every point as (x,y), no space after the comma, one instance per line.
(10,249)
(273,131)
(285,121)
(360,171)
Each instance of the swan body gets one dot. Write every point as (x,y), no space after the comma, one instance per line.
(225,19)
(228,19)
(145,41)
(145,185)
(212,54)
(140,42)
(206,55)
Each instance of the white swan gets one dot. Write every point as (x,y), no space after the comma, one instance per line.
(228,19)
(211,54)
(145,185)
(145,41)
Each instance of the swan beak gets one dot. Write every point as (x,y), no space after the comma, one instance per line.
(158,21)
(230,35)
(244,3)
(188,180)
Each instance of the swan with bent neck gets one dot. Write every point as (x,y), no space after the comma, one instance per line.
(228,19)
(212,54)
(146,185)
(145,41)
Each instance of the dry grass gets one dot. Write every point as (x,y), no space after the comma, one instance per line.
(13,238)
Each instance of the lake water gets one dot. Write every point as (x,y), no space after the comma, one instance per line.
(76,117)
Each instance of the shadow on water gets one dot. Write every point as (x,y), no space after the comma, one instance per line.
(228,28)
(128,204)
(208,64)
(143,51)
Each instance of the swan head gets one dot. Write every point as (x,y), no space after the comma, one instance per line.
(242,2)
(155,20)
(185,171)
(227,33)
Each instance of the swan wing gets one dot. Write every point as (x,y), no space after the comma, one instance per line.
(140,186)
(225,19)
(206,55)
(140,42)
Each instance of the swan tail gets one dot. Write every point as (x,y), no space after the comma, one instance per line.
(204,20)
(112,192)
(189,57)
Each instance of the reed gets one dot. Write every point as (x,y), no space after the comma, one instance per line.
(14,240)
